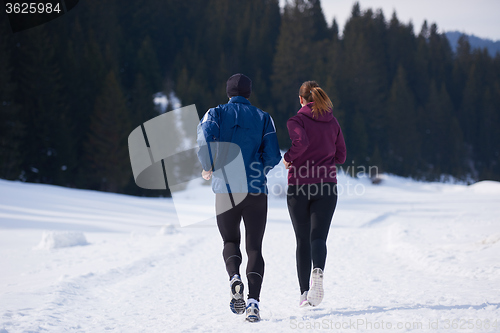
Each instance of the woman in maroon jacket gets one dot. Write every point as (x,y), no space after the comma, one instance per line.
(317,145)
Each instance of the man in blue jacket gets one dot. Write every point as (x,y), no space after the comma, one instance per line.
(240,188)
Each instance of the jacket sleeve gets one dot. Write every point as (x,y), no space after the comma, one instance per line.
(340,151)
(300,142)
(208,131)
(269,148)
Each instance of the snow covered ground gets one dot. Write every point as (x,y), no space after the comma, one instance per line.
(402,256)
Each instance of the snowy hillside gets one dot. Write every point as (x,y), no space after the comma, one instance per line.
(402,253)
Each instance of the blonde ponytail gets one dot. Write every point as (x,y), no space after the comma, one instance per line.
(311,92)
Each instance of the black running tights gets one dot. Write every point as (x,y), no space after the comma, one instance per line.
(311,209)
(253,210)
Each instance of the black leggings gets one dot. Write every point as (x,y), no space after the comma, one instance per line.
(311,209)
(253,209)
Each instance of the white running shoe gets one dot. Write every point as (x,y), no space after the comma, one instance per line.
(237,303)
(253,310)
(315,295)
(303,300)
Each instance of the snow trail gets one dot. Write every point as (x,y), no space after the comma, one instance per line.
(423,256)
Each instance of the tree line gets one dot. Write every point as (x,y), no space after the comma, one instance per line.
(73,89)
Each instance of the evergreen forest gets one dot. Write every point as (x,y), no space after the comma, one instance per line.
(73,89)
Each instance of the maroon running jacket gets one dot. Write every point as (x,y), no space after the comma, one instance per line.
(317,145)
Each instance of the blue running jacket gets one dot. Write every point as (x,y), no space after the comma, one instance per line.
(247,127)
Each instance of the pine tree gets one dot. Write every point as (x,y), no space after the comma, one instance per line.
(330,71)
(456,152)
(358,140)
(430,130)
(148,67)
(471,102)
(293,62)
(44,110)
(422,78)
(440,57)
(11,127)
(320,26)
(436,125)
(383,80)
(260,50)
(142,102)
(488,139)
(106,148)
(403,144)
(401,49)
(461,68)
(364,87)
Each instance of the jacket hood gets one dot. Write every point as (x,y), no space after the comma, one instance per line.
(307,111)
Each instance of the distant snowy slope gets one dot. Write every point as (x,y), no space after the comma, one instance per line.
(416,256)
(40,206)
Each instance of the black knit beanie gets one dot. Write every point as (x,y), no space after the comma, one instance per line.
(239,85)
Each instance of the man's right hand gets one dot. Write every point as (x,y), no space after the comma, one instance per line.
(206,174)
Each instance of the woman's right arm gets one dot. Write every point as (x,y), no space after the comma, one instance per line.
(300,142)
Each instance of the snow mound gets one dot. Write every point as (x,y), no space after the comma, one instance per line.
(169,229)
(58,239)
(492,239)
(486,187)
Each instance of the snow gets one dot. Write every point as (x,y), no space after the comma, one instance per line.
(402,253)
(58,239)
(162,101)
(486,187)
